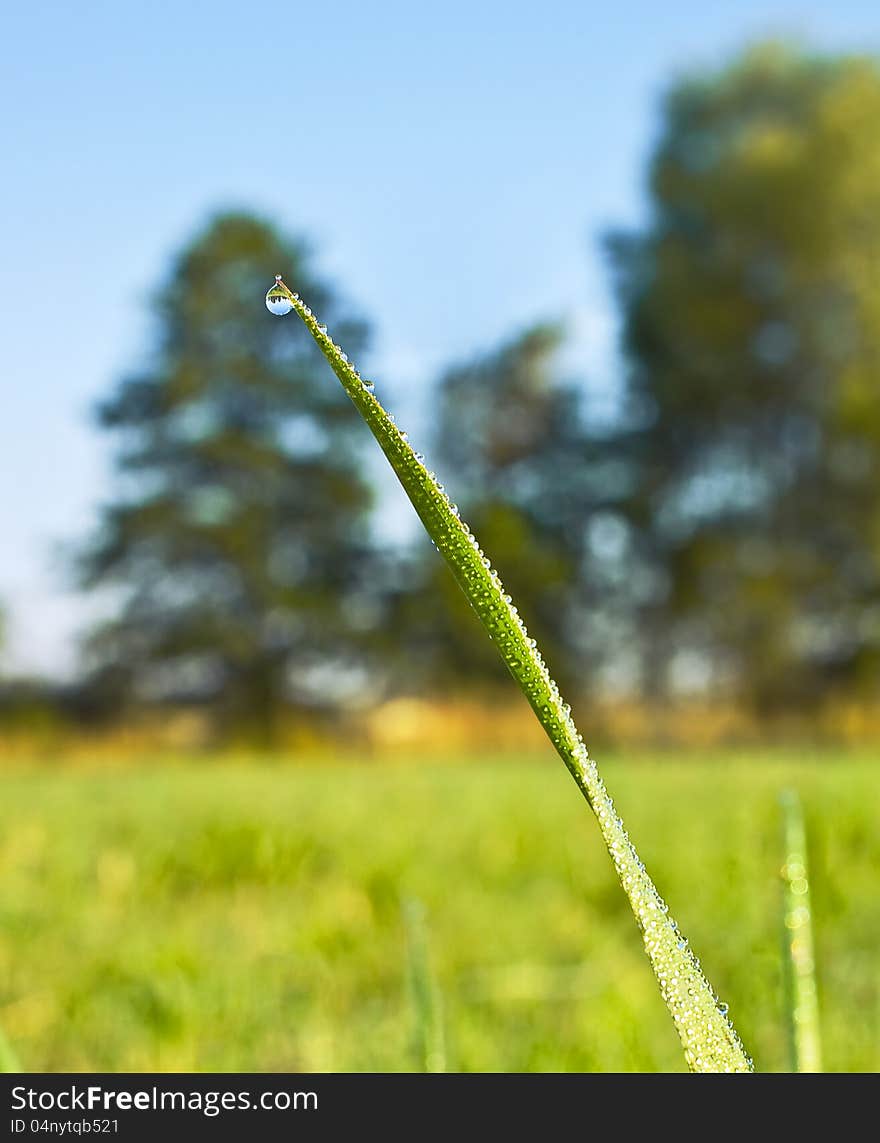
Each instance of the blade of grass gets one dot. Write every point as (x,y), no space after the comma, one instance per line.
(798,958)
(8,1059)
(710,1042)
(430,1042)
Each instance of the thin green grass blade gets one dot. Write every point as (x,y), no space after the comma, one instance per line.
(798,957)
(710,1042)
(8,1059)
(430,1040)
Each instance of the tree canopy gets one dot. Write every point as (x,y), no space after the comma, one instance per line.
(752,326)
(237,540)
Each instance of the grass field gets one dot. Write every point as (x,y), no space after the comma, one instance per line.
(221,916)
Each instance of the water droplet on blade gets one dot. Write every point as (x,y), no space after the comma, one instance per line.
(278,299)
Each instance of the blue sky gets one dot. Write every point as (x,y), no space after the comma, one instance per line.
(454,164)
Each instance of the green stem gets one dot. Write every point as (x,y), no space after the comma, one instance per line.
(427,1007)
(799,961)
(710,1041)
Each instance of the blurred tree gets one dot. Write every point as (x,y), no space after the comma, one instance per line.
(510,438)
(752,323)
(238,540)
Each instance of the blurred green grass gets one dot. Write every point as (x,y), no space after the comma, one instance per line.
(238,916)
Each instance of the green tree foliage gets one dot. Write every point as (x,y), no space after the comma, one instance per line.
(752,323)
(509,433)
(238,539)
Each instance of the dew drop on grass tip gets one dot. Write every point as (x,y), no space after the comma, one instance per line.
(278,298)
